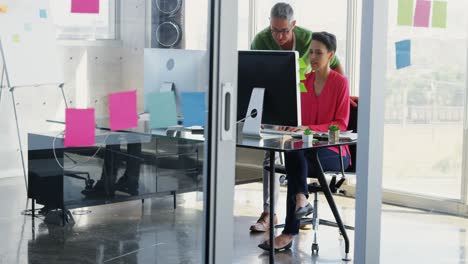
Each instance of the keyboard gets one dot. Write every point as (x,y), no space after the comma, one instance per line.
(281,132)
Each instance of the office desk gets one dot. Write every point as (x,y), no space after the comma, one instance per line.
(131,165)
(288,144)
(272,145)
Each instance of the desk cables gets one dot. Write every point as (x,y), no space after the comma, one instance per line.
(76,164)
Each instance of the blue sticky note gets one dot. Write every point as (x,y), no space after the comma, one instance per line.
(42,13)
(403,53)
(193,108)
(162,108)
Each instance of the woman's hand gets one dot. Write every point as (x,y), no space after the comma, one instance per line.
(292,129)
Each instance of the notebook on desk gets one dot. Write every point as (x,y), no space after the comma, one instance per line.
(343,135)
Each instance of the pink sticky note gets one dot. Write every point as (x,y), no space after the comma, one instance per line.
(123,110)
(422,13)
(79,127)
(85,6)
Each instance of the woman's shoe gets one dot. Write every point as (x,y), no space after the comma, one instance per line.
(304,211)
(266,246)
(263,223)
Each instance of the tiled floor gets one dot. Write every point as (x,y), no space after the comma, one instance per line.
(155,233)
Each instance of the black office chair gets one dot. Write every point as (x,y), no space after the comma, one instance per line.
(334,183)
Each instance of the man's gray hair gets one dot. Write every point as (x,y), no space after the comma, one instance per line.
(282,10)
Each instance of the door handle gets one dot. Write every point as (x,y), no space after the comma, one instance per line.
(227,114)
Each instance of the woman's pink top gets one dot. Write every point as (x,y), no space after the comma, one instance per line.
(331,107)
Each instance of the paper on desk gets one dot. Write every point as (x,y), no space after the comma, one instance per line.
(123,110)
(351,136)
(162,108)
(193,108)
(85,6)
(79,127)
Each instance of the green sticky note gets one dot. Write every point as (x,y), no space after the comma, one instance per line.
(439,14)
(405,12)
(303,88)
(301,75)
(301,63)
(162,108)
(16,38)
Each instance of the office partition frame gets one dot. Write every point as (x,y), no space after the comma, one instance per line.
(370,122)
(221,151)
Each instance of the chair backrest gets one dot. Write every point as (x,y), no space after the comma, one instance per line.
(352,125)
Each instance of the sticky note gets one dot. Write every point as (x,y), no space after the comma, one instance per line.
(403,54)
(302,64)
(3,8)
(16,38)
(85,6)
(79,127)
(123,110)
(421,13)
(27,27)
(302,87)
(301,75)
(405,12)
(193,108)
(162,108)
(439,14)
(42,13)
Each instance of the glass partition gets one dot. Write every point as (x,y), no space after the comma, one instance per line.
(426,101)
(149,173)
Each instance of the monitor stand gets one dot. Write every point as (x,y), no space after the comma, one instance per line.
(253,119)
(169,87)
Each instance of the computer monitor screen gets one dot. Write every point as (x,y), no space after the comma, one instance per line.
(278,73)
(186,69)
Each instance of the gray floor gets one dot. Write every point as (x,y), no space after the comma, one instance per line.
(155,233)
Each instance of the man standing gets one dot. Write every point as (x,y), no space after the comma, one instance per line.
(283,34)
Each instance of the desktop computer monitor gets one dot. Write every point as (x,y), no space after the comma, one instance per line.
(187,70)
(278,73)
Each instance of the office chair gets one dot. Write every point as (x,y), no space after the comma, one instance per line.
(334,184)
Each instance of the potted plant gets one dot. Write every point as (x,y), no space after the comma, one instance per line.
(333,134)
(307,136)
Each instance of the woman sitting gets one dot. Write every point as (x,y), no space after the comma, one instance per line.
(325,103)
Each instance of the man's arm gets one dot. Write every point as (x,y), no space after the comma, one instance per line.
(336,65)
(339,69)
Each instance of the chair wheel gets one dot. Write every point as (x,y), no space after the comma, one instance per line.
(315,249)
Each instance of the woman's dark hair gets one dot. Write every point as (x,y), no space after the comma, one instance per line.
(328,39)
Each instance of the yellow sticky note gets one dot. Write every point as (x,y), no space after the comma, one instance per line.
(3,8)
(303,88)
(16,38)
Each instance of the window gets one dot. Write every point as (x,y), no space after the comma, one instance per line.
(329,15)
(72,26)
(424,106)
